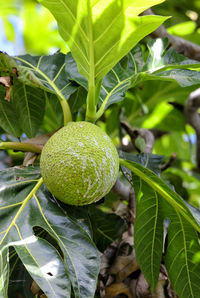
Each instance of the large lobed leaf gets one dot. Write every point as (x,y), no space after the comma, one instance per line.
(133,69)
(156,201)
(100,33)
(37,81)
(23,207)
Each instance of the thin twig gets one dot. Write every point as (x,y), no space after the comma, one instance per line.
(168,163)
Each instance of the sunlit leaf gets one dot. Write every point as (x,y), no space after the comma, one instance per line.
(20,280)
(164,65)
(100,33)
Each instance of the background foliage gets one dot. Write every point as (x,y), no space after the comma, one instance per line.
(148,88)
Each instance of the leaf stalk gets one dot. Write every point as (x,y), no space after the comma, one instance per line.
(66,111)
(24,147)
(91,102)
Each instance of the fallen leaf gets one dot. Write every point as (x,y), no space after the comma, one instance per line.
(35,288)
(117,289)
(124,266)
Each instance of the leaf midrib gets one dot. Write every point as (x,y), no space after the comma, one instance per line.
(57,236)
(176,205)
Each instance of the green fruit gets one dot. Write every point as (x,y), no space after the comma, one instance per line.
(79,163)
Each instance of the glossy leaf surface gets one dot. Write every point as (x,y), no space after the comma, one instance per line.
(24,207)
(182,252)
(161,188)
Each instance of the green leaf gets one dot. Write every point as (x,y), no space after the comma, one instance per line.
(100,33)
(148,230)
(24,206)
(77,99)
(53,117)
(45,72)
(184,77)
(114,84)
(182,254)
(148,160)
(153,205)
(20,280)
(162,189)
(122,77)
(160,59)
(30,105)
(8,120)
(162,65)
(25,110)
(106,227)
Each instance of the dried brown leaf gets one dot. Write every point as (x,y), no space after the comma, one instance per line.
(117,289)
(35,288)
(39,140)
(7,82)
(29,159)
(124,266)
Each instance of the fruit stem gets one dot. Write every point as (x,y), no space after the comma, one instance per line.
(25,147)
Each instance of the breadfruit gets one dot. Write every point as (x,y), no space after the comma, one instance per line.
(79,163)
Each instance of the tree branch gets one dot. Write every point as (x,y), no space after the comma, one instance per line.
(121,190)
(181,45)
(143,133)
(168,164)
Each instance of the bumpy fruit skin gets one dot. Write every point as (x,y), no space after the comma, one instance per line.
(79,163)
